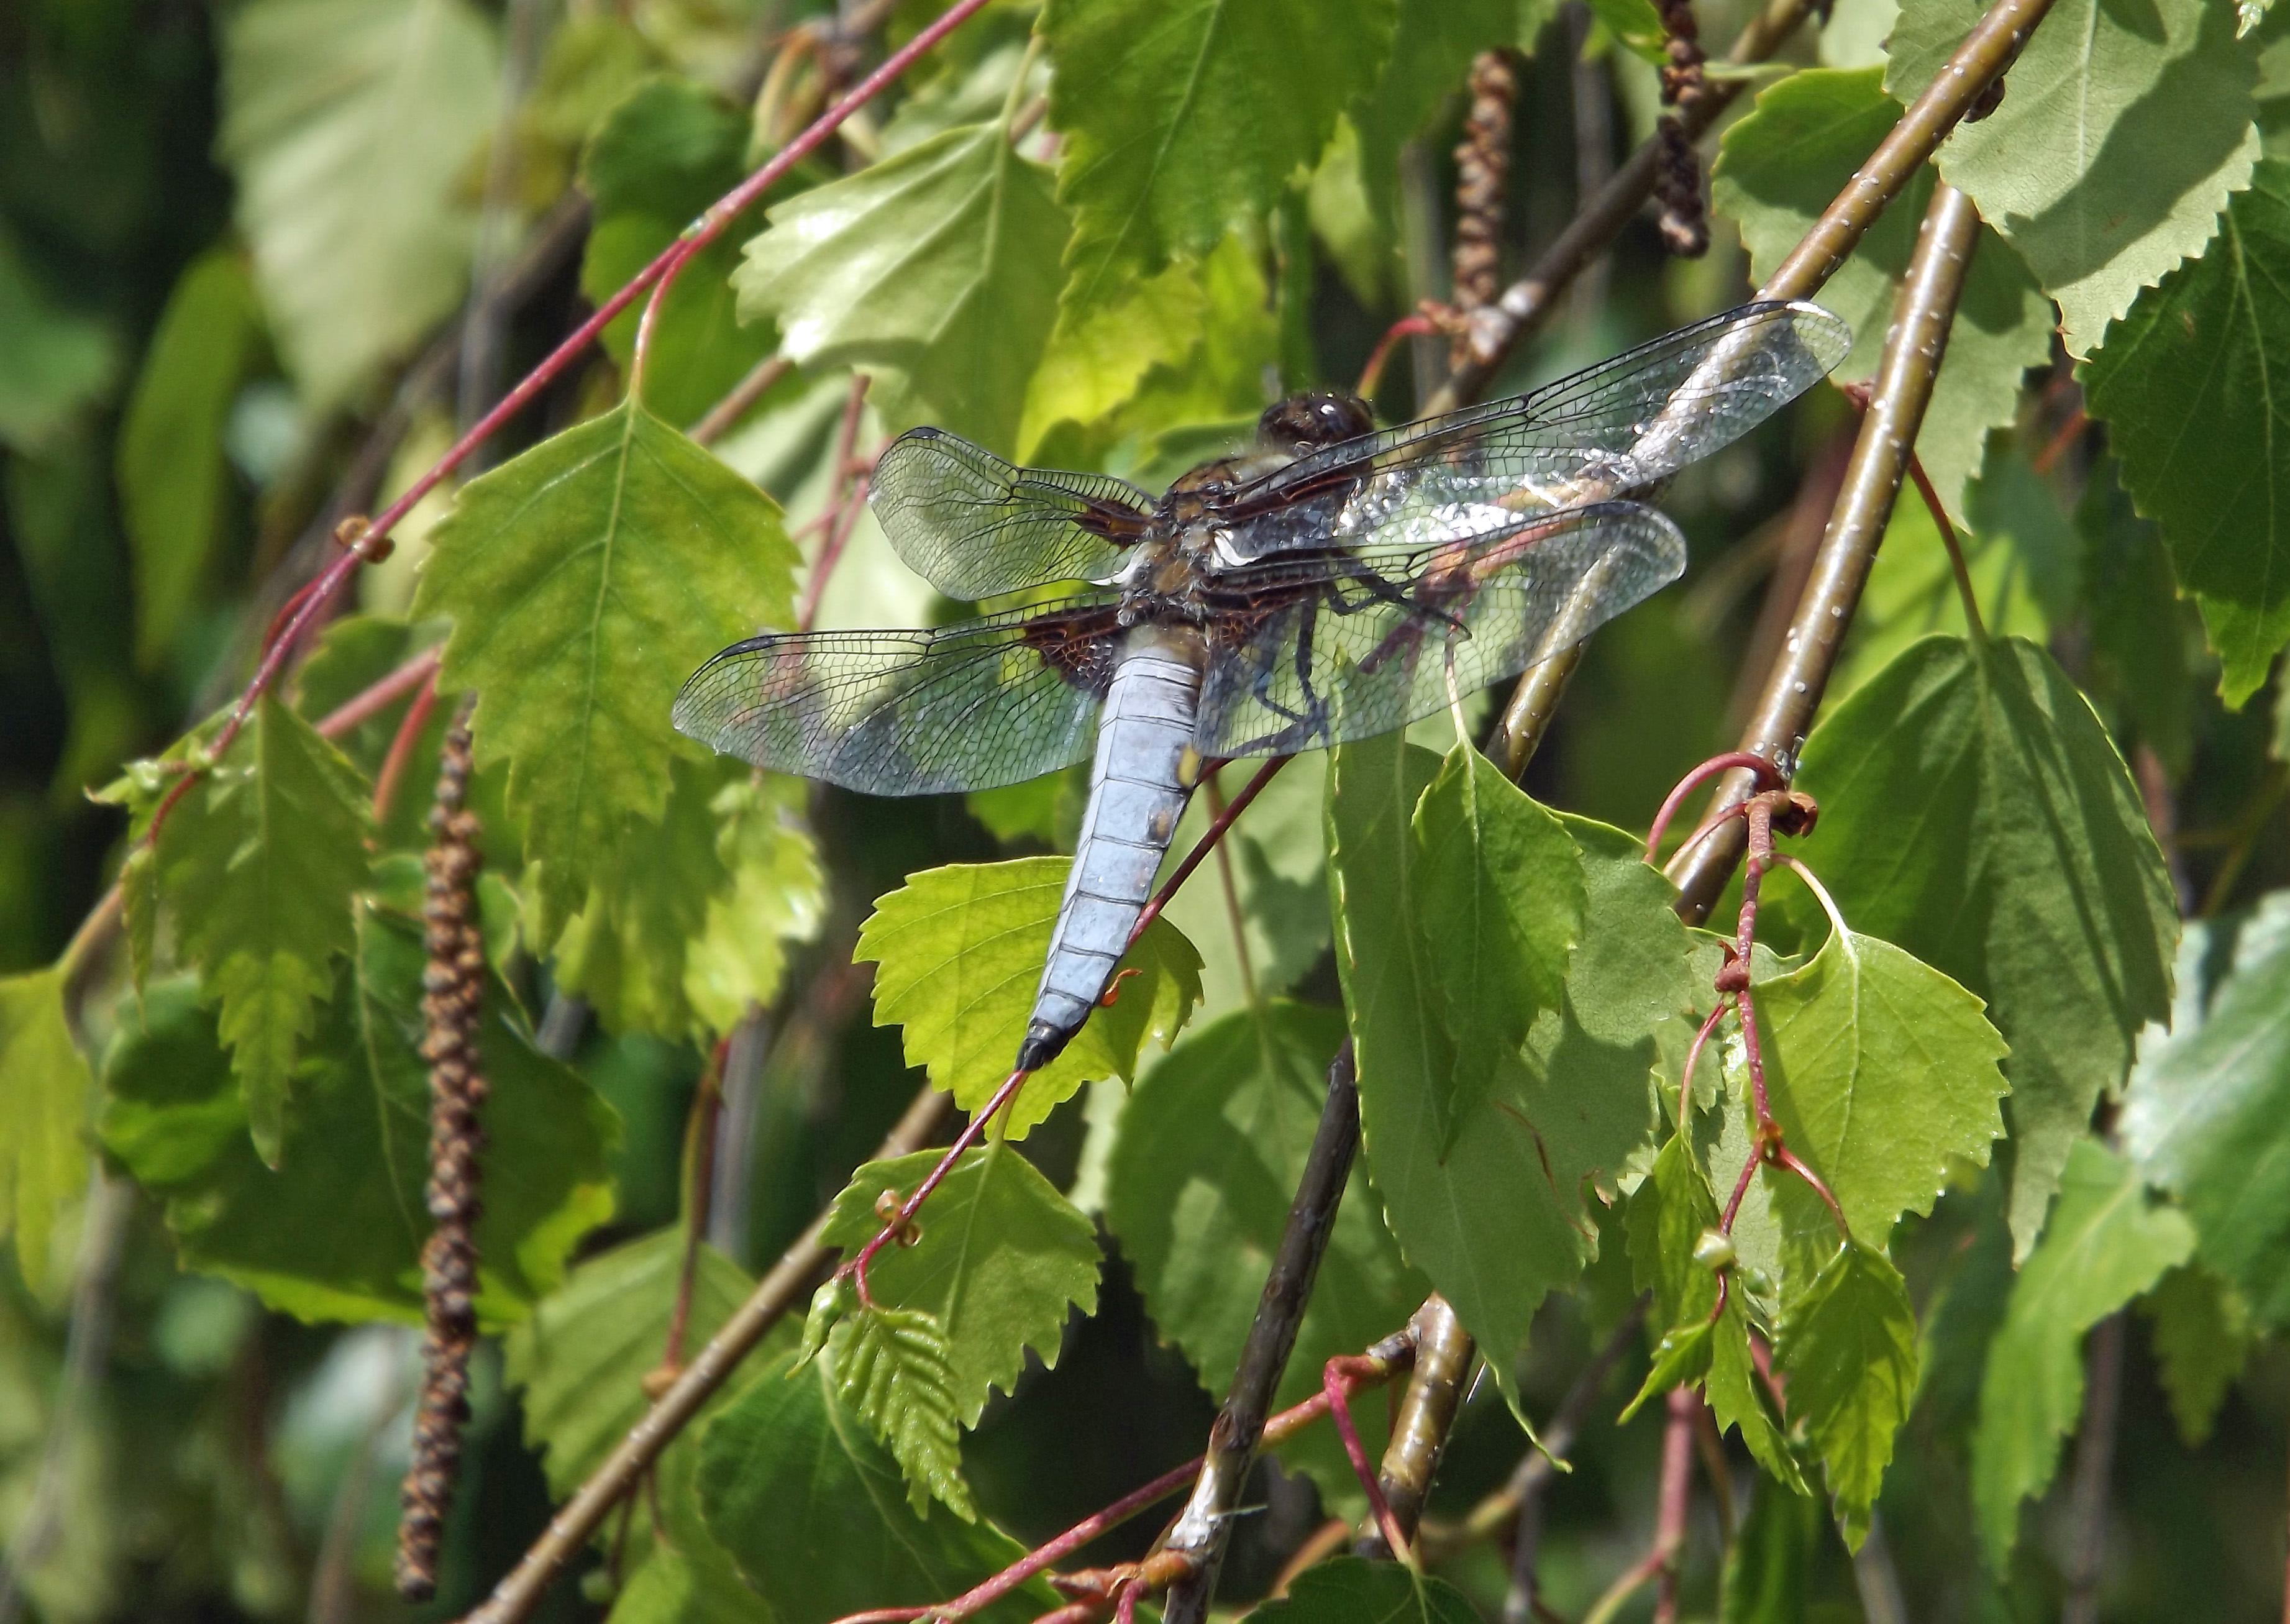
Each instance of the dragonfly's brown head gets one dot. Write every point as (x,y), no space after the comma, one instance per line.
(1305,422)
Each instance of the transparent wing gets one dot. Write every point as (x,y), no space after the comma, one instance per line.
(971,707)
(1307,652)
(1618,427)
(975,526)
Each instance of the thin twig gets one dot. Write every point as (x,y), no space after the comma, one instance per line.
(698,235)
(1203,1528)
(1793,688)
(1661,1560)
(87,1349)
(2094,1467)
(1531,1482)
(1444,1357)
(739,398)
(784,1287)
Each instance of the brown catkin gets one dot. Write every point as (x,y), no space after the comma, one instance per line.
(452,1002)
(1483,185)
(1678,172)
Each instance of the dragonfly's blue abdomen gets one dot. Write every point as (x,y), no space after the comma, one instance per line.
(1143,775)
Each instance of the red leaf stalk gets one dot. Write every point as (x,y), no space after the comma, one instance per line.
(453,987)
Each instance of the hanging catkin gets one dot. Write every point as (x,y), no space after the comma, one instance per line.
(453,994)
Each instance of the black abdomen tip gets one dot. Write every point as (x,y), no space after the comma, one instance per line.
(1044,1042)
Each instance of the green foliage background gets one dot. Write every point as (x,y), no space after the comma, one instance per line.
(2043,1066)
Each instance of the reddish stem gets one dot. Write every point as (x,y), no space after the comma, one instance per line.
(1405,327)
(401,746)
(1769,777)
(2069,433)
(1043,1557)
(830,552)
(371,703)
(856,1269)
(1208,840)
(1337,1380)
(301,608)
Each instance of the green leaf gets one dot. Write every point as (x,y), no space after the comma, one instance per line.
(1096,357)
(587,579)
(893,1370)
(350,126)
(684,1577)
(1975,813)
(815,1511)
(45,1090)
(1670,1211)
(171,472)
(258,865)
(936,269)
(1002,1258)
(2202,1340)
(336,1232)
(54,360)
(1681,1359)
(1210,1147)
(2107,1242)
(1503,1220)
(1181,118)
(1848,1347)
(667,150)
(2190,388)
(688,920)
(2121,132)
(2202,1118)
(1347,1590)
(1780,167)
(1883,1074)
(2135,661)
(581,1358)
(960,951)
(1497,910)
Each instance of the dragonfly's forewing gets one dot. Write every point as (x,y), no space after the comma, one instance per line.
(1618,427)
(988,703)
(975,526)
(1349,645)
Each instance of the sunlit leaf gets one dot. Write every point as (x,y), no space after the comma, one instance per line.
(894,1371)
(2190,386)
(960,952)
(1276,851)
(587,579)
(936,269)
(1431,52)
(2121,132)
(1499,910)
(1096,357)
(2107,1242)
(44,1093)
(1847,1345)
(1180,118)
(171,470)
(1503,1220)
(1975,813)
(349,125)
(1883,1073)
(1780,166)
(336,1231)
(257,865)
(1001,1261)
(1211,1145)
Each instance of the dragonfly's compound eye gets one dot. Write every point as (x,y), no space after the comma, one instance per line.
(1302,422)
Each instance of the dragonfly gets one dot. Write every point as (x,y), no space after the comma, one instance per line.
(1328,584)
